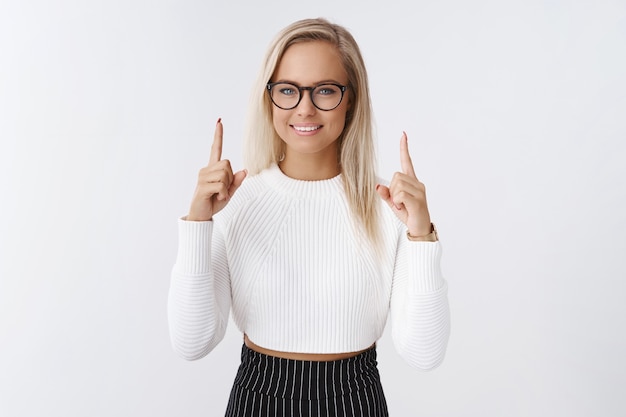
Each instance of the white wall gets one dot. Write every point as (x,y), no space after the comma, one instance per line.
(515,116)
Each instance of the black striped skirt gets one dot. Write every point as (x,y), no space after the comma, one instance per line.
(267,386)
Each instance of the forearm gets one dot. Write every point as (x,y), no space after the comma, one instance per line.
(196,301)
(421,331)
(420,310)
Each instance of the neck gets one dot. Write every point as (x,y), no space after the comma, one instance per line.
(310,167)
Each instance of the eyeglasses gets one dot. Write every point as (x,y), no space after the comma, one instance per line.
(287,96)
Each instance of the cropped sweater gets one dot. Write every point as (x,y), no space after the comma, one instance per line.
(285,257)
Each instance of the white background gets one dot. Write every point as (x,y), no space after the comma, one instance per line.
(516,117)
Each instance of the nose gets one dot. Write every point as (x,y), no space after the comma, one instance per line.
(306,107)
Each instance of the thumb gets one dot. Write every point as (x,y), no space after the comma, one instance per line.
(383,192)
(237,180)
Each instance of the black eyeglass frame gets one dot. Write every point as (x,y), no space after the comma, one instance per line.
(269,87)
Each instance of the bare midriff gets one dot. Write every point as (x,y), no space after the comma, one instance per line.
(317,357)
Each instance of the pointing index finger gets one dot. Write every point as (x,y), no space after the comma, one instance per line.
(405,158)
(216,148)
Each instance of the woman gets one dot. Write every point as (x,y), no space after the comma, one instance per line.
(303,252)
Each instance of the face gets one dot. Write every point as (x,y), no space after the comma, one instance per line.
(305,129)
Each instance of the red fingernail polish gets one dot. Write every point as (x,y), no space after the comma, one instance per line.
(219,120)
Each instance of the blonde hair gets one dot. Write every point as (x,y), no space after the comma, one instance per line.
(357,158)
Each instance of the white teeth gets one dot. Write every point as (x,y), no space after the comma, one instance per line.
(306,128)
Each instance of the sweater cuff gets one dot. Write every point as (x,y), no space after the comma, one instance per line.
(194,247)
(425,267)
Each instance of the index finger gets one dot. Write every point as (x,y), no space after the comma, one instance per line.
(405,159)
(216,148)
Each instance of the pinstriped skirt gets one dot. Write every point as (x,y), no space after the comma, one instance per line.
(267,386)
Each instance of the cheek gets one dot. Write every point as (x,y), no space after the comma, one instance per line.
(342,119)
(280,123)
(278,119)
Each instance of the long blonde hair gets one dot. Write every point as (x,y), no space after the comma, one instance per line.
(357,157)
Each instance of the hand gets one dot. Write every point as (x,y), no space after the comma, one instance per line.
(216,182)
(406,195)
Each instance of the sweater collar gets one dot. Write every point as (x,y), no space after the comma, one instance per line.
(300,188)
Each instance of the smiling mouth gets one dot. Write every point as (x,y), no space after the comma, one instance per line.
(307,128)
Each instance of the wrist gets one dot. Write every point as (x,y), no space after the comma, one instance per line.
(431,236)
(198,214)
(197,217)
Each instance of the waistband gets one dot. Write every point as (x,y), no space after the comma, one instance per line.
(306,380)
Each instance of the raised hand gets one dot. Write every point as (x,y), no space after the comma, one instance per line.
(216,182)
(406,195)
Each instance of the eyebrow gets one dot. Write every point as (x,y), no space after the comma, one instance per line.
(328,81)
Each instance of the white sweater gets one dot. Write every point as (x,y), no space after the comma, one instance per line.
(284,257)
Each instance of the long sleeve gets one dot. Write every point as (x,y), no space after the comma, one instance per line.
(199,295)
(419,304)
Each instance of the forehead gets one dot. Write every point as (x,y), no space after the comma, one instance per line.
(308,63)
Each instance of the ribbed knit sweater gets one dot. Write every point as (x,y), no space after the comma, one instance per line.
(285,258)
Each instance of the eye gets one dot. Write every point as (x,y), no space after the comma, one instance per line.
(326,90)
(287,91)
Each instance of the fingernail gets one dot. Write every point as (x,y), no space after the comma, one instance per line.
(219,120)
(377,186)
